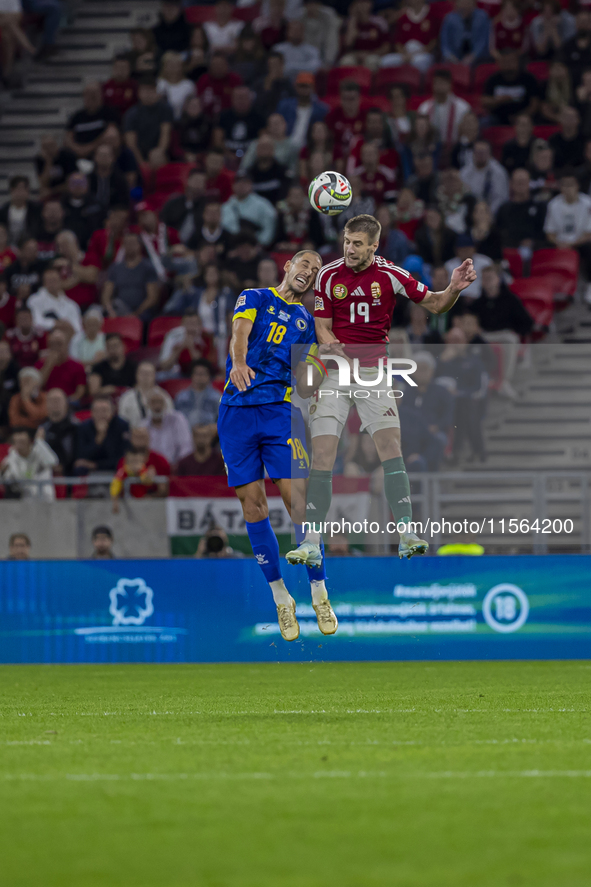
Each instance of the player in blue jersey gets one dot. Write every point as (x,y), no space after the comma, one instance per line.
(273,342)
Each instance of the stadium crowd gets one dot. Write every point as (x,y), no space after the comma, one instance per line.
(465,128)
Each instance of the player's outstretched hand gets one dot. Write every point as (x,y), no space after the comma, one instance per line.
(463,276)
(241,376)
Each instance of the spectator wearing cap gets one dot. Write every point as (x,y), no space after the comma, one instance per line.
(115,373)
(133,404)
(106,183)
(247,207)
(465,250)
(303,110)
(297,54)
(172,32)
(510,91)
(485,178)
(200,402)
(183,212)
(58,370)
(19,547)
(29,458)
(86,127)
(50,304)
(101,440)
(365,36)
(170,434)
(445,110)
(239,126)
(102,544)
(568,222)
(59,431)
(25,341)
(27,408)
(464,35)
(222,32)
(205,460)
(148,124)
(132,286)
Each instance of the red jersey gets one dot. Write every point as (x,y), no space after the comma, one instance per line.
(7,310)
(216,95)
(160,465)
(388,156)
(371,35)
(220,188)
(25,349)
(7,257)
(361,303)
(103,247)
(84,294)
(381,185)
(423,27)
(67,376)
(120,95)
(344,128)
(509,37)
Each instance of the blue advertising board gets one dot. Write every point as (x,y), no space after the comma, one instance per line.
(181,610)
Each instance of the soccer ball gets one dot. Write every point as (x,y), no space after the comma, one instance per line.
(330,193)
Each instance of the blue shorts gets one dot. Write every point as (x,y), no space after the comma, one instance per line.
(267,435)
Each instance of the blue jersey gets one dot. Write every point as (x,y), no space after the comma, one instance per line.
(278,339)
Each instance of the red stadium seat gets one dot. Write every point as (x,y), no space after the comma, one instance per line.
(173,386)
(280,259)
(497,136)
(196,15)
(172,178)
(545,130)
(159,328)
(513,259)
(358,73)
(461,75)
(247,13)
(129,328)
(385,77)
(482,73)
(538,69)
(414,101)
(561,264)
(537,296)
(83,415)
(4,448)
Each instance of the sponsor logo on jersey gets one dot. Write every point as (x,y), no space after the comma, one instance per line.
(301,324)
(376,290)
(240,301)
(283,315)
(271,309)
(318,303)
(421,287)
(339,291)
(358,292)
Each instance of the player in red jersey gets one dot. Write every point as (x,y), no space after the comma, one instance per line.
(354,301)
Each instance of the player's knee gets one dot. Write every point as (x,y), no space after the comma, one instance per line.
(255,510)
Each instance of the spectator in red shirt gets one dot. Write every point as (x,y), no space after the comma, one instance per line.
(25,342)
(7,255)
(508,31)
(215,87)
(77,274)
(218,179)
(365,37)
(272,28)
(414,37)
(7,305)
(204,460)
(58,370)
(377,132)
(347,120)
(106,243)
(156,464)
(120,92)
(377,180)
(184,344)
(157,238)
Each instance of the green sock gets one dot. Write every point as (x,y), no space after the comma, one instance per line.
(319,495)
(397,489)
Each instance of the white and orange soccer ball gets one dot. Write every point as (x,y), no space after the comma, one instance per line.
(330,193)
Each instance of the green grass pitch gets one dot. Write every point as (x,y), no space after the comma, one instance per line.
(319,775)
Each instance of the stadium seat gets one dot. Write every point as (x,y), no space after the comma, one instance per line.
(173,386)
(4,448)
(129,328)
(247,13)
(358,73)
(513,259)
(497,136)
(538,69)
(196,15)
(537,297)
(545,130)
(172,178)
(159,328)
(83,415)
(280,259)
(461,75)
(414,101)
(562,264)
(406,74)
(482,73)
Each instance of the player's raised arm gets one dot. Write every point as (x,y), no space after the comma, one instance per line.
(241,373)
(461,278)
